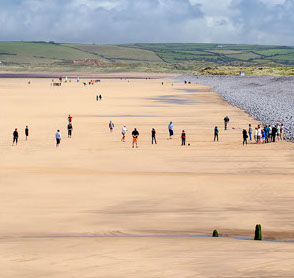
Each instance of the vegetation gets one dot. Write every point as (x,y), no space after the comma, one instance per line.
(171,57)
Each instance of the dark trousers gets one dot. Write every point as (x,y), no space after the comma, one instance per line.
(216,136)
(69,133)
(15,139)
(266,138)
(183,141)
(244,141)
(154,139)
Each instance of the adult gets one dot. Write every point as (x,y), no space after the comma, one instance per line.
(282,132)
(270,129)
(258,134)
(135,135)
(216,132)
(266,129)
(111,126)
(245,136)
(278,132)
(183,136)
(250,130)
(58,138)
(274,133)
(69,130)
(100,97)
(170,130)
(255,134)
(123,132)
(15,137)
(27,132)
(226,121)
(153,134)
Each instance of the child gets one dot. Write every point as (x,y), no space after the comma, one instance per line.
(183,136)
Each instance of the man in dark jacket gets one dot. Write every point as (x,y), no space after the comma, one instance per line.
(15,137)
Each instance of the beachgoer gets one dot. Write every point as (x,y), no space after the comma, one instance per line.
(266,129)
(100,97)
(183,136)
(278,132)
(97,98)
(15,137)
(78,79)
(69,118)
(216,132)
(58,138)
(282,132)
(274,133)
(250,132)
(69,130)
(170,130)
(123,132)
(270,133)
(255,134)
(263,136)
(226,120)
(111,126)
(135,135)
(245,136)
(27,132)
(153,134)
(258,134)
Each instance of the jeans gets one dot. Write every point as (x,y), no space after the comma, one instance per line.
(216,136)
(183,141)
(250,136)
(154,139)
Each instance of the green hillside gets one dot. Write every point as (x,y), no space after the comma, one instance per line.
(167,57)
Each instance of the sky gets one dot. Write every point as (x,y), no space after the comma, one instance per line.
(148,21)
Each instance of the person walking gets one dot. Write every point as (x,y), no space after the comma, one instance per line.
(69,130)
(27,132)
(216,132)
(153,134)
(245,136)
(123,132)
(58,138)
(135,135)
(170,130)
(250,130)
(111,126)
(15,137)
(183,136)
(226,121)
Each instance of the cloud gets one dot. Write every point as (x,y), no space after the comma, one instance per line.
(125,21)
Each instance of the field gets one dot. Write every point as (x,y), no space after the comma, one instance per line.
(171,57)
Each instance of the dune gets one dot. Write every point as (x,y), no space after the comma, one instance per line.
(95,207)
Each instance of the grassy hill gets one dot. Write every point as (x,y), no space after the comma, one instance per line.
(172,57)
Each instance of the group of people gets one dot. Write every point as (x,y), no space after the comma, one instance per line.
(265,134)
(69,131)
(15,135)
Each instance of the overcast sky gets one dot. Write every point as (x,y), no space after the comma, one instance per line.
(131,21)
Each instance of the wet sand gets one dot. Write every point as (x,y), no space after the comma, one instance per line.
(95,207)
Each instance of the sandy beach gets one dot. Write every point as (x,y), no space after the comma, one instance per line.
(95,207)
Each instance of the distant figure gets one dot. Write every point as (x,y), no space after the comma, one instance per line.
(162,83)
(97,98)
(123,132)
(69,118)
(255,134)
(69,130)
(135,135)
(29,82)
(78,79)
(258,134)
(100,97)
(282,132)
(245,136)
(15,137)
(60,79)
(84,83)
(153,134)
(270,133)
(274,133)
(226,120)
(170,130)
(111,126)
(266,130)
(27,132)
(250,130)
(216,133)
(58,138)
(183,136)
(185,82)
(278,132)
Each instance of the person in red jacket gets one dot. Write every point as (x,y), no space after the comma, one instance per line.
(183,136)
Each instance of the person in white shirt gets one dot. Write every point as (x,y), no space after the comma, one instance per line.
(123,132)
(58,138)
(111,126)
